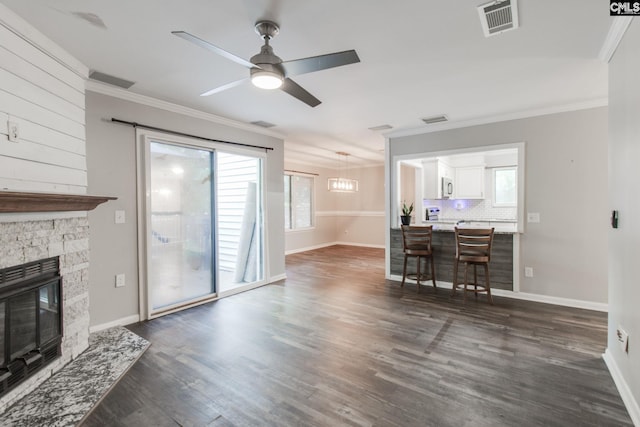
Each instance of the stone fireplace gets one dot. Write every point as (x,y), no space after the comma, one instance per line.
(66,238)
(60,231)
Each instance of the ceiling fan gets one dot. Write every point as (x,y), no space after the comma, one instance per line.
(268,71)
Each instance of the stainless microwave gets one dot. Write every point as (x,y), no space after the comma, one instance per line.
(447,188)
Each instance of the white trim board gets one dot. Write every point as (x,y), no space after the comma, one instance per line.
(309,248)
(277,278)
(27,32)
(326,245)
(623,388)
(124,321)
(360,245)
(546,299)
(618,28)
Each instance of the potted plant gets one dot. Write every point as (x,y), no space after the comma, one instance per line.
(405,218)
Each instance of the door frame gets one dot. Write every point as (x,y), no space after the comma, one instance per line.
(143,140)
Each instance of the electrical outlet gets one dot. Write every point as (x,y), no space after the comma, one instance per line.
(528,272)
(13,131)
(623,339)
(119,280)
(533,217)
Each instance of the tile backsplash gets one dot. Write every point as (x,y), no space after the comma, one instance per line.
(471,209)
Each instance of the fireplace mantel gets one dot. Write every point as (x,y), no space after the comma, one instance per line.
(14,201)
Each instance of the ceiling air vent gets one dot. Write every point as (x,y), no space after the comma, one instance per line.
(111,80)
(498,16)
(263,124)
(381,127)
(435,119)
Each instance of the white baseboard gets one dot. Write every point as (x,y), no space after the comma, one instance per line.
(118,322)
(277,278)
(565,302)
(361,245)
(623,388)
(309,248)
(326,245)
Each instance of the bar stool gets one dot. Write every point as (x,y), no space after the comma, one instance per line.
(473,247)
(416,243)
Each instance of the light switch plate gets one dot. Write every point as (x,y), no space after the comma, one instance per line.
(119,280)
(533,217)
(119,217)
(13,131)
(528,272)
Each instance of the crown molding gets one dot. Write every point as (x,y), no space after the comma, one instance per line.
(127,95)
(617,30)
(594,103)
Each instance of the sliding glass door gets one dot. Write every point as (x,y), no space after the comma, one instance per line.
(180,257)
(239,220)
(203,222)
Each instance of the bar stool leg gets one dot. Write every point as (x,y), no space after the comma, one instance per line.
(455,277)
(433,272)
(466,282)
(487,284)
(404,271)
(418,273)
(475,280)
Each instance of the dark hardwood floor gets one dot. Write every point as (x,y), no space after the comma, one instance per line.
(337,344)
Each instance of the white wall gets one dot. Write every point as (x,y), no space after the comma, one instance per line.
(111,160)
(42,91)
(624,252)
(342,218)
(566,182)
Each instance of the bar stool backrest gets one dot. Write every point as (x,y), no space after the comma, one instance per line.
(474,244)
(417,238)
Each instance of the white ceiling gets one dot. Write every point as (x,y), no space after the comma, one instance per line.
(419,58)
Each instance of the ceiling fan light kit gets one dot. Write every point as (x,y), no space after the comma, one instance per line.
(266,79)
(268,71)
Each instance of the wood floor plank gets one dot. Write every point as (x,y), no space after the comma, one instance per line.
(337,344)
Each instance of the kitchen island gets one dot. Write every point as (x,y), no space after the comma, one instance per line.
(444,248)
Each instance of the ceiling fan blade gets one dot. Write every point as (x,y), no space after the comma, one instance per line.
(295,90)
(213,48)
(321,62)
(224,87)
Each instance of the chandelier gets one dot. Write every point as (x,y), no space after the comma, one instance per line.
(342,184)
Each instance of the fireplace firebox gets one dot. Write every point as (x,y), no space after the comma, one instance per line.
(30,319)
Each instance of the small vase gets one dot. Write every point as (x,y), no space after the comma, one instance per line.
(405,219)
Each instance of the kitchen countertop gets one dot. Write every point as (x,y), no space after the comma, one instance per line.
(500,225)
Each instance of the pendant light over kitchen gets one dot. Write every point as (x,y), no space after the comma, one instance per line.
(343,184)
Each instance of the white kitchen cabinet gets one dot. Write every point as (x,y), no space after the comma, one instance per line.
(469,183)
(433,170)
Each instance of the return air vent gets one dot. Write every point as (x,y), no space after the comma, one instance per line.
(263,124)
(498,16)
(435,119)
(111,80)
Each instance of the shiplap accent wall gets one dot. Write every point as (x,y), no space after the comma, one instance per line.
(42,89)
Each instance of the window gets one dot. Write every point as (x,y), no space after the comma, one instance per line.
(505,186)
(298,202)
